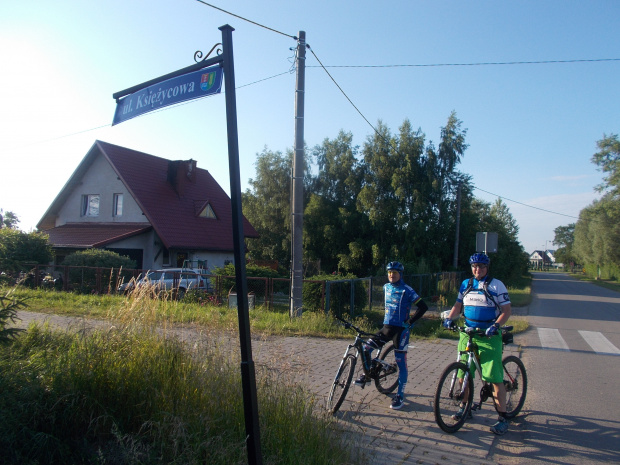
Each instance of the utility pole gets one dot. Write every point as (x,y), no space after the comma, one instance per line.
(455,261)
(297,203)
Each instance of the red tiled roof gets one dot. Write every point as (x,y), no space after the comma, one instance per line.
(89,235)
(172,213)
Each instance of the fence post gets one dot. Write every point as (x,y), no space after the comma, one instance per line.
(352,298)
(326,297)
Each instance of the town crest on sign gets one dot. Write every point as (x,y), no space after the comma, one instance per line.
(207,80)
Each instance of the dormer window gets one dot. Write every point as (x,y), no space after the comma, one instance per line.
(207,212)
(90,205)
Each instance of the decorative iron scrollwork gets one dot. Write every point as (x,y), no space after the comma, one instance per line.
(198,55)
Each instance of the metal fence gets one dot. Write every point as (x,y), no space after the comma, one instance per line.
(351,296)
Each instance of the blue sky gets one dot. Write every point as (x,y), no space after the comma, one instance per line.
(532,128)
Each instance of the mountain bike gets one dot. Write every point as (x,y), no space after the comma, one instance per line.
(455,389)
(382,369)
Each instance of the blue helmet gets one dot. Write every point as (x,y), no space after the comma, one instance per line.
(395,266)
(480,258)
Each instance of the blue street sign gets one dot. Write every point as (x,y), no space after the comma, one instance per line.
(189,86)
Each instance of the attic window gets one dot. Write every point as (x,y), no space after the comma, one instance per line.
(207,212)
(90,205)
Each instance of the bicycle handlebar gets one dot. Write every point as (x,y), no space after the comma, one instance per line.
(480,332)
(349,325)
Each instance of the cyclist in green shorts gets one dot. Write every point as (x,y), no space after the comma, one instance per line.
(486,306)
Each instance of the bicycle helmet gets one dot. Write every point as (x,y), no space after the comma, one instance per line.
(480,258)
(395,266)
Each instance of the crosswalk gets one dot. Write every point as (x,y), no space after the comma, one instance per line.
(551,338)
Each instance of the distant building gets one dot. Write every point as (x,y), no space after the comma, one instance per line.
(158,212)
(542,259)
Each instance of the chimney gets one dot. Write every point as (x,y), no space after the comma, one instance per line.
(181,173)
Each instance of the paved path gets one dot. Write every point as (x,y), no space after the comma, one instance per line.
(406,436)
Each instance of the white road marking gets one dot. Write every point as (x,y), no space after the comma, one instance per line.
(599,343)
(551,339)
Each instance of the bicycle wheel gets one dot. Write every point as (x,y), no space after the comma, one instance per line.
(387,378)
(342,381)
(515,380)
(449,397)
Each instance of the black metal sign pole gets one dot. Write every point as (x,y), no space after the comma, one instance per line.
(248,375)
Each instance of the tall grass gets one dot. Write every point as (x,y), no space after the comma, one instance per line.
(132,395)
(140,307)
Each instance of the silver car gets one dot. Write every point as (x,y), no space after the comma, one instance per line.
(178,280)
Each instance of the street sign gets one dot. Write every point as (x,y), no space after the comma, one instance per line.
(189,86)
(486,242)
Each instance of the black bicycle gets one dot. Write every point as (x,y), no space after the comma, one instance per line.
(382,369)
(455,390)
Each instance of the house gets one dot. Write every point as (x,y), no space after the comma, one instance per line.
(542,259)
(158,212)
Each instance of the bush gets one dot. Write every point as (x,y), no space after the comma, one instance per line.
(84,278)
(19,250)
(99,258)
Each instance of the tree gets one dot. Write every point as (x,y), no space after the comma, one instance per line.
(20,250)
(597,232)
(564,239)
(267,207)
(334,230)
(377,199)
(8,219)
(608,161)
(510,262)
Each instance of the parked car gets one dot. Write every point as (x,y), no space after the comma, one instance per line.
(177,280)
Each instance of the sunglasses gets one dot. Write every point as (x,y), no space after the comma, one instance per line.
(478,265)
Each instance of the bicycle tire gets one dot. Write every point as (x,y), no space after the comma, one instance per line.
(341,384)
(387,378)
(448,397)
(515,380)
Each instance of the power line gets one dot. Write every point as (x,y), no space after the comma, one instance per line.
(526,205)
(491,63)
(245,19)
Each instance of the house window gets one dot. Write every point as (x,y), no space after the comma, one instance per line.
(90,205)
(117,208)
(207,212)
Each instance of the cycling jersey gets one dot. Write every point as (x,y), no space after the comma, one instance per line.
(482,301)
(398,300)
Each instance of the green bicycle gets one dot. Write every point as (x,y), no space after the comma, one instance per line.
(455,389)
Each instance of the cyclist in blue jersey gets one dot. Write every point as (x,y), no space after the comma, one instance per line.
(486,306)
(399,297)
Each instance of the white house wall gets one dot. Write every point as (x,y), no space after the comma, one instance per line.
(100,179)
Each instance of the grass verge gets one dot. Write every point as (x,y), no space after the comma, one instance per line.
(132,395)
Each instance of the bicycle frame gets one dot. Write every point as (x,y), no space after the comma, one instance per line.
(472,357)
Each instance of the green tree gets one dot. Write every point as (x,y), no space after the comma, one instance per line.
(564,239)
(597,232)
(267,206)
(377,198)
(334,231)
(19,250)
(510,262)
(608,161)
(8,219)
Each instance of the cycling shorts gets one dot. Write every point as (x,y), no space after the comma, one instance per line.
(396,334)
(490,350)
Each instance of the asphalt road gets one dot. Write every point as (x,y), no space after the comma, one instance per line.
(570,415)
